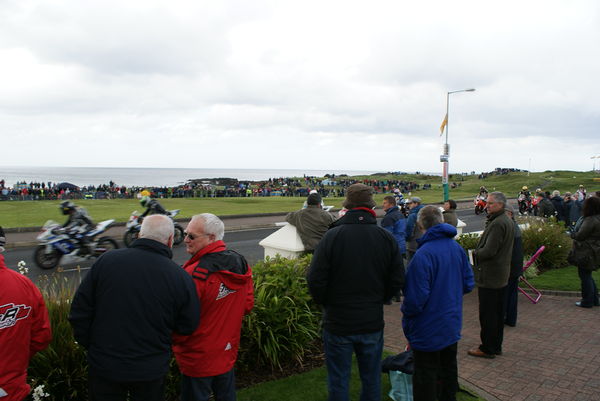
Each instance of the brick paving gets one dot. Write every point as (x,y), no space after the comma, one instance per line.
(552,354)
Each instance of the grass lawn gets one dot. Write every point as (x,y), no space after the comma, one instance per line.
(35,213)
(312,386)
(564,279)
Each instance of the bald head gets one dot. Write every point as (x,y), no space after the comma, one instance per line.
(158,227)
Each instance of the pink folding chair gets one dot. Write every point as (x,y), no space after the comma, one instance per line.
(538,294)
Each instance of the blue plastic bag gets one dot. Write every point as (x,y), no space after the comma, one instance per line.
(401,386)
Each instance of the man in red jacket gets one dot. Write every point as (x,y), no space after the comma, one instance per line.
(224,286)
(24,329)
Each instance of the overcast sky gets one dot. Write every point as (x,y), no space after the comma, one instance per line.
(350,85)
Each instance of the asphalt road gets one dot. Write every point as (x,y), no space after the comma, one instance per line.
(244,242)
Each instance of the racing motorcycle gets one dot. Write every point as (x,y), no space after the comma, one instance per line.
(480,204)
(524,204)
(134,224)
(55,242)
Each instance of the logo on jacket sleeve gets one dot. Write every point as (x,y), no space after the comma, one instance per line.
(224,291)
(10,313)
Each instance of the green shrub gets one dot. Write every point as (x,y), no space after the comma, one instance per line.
(468,241)
(62,367)
(550,234)
(285,321)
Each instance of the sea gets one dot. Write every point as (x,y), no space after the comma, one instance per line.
(158,177)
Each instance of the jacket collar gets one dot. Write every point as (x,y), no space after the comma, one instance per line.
(153,246)
(392,209)
(217,246)
(359,215)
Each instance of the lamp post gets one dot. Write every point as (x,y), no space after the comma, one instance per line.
(446,153)
(594,158)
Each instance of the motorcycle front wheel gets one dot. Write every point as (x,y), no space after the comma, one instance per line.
(477,210)
(179,235)
(129,237)
(46,260)
(105,244)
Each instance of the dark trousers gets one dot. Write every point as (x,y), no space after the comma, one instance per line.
(511,301)
(102,389)
(436,375)
(589,290)
(491,319)
(200,388)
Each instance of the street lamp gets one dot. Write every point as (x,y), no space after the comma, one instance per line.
(594,158)
(446,155)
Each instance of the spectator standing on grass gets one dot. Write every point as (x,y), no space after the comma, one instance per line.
(224,287)
(492,258)
(125,311)
(355,269)
(311,222)
(559,205)
(437,277)
(24,329)
(545,206)
(412,232)
(516,269)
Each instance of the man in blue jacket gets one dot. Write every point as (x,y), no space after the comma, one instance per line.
(437,277)
(395,222)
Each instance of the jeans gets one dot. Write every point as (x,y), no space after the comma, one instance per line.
(102,389)
(338,355)
(511,301)
(589,290)
(200,388)
(436,374)
(491,319)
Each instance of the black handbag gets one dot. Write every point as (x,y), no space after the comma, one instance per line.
(582,255)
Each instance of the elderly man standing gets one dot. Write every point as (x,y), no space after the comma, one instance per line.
(357,267)
(125,311)
(311,222)
(492,258)
(224,286)
(24,329)
(437,277)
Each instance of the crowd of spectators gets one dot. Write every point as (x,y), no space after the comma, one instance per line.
(282,186)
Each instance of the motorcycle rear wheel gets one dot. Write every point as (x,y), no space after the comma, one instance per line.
(105,244)
(477,210)
(179,235)
(46,260)
(129,237)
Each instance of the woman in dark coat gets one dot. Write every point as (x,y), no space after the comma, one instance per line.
(589,232)
(516,268)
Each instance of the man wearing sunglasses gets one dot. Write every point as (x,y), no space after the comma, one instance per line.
(224,287)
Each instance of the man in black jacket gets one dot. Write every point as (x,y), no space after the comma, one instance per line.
(126,310)
(355,269)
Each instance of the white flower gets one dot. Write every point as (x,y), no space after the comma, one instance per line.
(39,393)
(23,267)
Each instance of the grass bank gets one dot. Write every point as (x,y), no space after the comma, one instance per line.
(563,279)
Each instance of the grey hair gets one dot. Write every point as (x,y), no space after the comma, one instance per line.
(429,216)
(157,227)
(212,225)
(556,193)
(499,197)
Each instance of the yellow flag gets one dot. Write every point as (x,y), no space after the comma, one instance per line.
(443,125)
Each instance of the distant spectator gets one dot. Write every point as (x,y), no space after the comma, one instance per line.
(24,330)
(312,222)
(437,277)
(412,232)
(449,214)
(559,206)
(545,206)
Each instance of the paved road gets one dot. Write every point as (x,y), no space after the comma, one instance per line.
(243,241)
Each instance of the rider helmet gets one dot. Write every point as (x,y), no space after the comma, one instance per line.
(66,207)
(145,200)
(524,188)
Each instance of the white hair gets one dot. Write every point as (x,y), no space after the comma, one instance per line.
(157,227)
(556,193)
(212,225)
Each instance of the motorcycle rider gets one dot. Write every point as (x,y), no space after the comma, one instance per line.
(152,206)
(483,193)
(78,225)
(525,192)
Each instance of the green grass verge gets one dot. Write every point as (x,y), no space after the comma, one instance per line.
(35,213)
(312,386)
(563,279)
